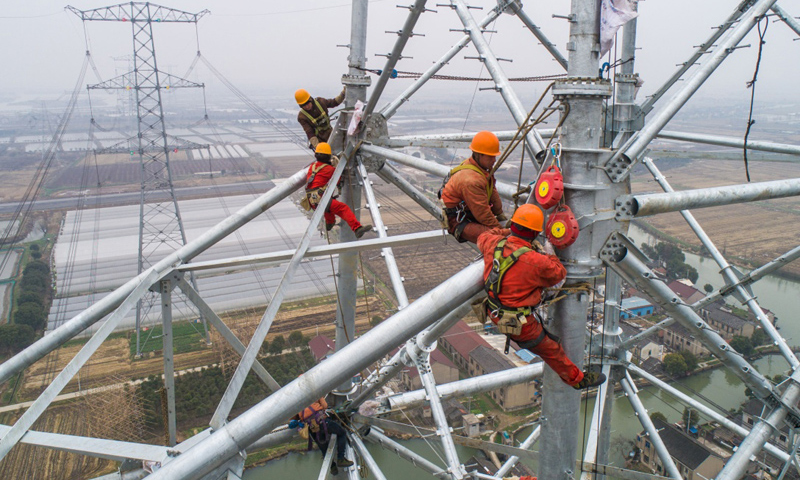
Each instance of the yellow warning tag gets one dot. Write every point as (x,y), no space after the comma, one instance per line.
(558,229)
(544,187)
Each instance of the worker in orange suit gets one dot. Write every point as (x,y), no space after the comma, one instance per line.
(517,269)
(319,175)
(320,429)
(471,202)
(313,115)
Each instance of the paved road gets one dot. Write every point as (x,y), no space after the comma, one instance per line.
(133,197)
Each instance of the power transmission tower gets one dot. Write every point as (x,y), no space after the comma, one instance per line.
(160,226)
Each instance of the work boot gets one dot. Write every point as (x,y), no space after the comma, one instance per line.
(589,380)
(360,231)
(344,462)
(329,226)
(334,469)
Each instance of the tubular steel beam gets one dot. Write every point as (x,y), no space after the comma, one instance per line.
(251,425)
(641,413)
(505,190)
(787,18)
(699,52)
(26,421)
(537,32)
(443,430)
(403,35)
(464,441)
(598,419)
(702,408)
(619,255)
(470,386)
(392,107)
(366,457)
(107,304)
(635,206)
(376,436)
(446,140)
(319,251)
(226,332)
(535,144)
(762,431)
(93,447)
(513,459)
(731,142)
(328,458)
(424,340)
(388,254)
(730,276)
(390,175)
(633,148)
(249,356)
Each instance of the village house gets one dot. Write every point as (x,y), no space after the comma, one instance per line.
(694,460)
(726,323)
(635,307)
(484,360)
(444,371)
(687,293)
(678,338)
(645,348)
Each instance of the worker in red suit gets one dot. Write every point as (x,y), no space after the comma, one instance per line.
(317,178)
(516,270)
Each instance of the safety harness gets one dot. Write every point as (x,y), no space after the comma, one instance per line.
(320,123)
(460,212)
(313,196)
(510,319)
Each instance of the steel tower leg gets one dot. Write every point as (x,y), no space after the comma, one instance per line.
(357,83)
(589,191)
(169,364)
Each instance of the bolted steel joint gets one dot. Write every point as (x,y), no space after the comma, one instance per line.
(581,87)
(619,168)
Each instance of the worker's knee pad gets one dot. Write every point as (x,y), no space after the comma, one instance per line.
(459,231)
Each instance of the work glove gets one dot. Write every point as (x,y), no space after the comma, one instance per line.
(314,141)
(502,219)
(295,424)
(548,248)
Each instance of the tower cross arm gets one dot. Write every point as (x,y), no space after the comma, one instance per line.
(127,81)
(138,12)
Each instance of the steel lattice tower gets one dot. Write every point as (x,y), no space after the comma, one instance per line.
(597,161)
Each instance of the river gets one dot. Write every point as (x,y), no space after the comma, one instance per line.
(718,388)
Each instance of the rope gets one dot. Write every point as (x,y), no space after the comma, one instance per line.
(752,86)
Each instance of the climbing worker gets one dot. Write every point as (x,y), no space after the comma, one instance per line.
(313,115)
(317,178)
(516,270)
(471,202)
(320,428)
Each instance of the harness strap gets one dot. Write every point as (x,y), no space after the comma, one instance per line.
(468,166)
(322,122)
(314,173)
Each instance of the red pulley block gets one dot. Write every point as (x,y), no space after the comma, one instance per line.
(549,187)
(562,228)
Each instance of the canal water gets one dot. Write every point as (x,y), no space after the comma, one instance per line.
(718,388)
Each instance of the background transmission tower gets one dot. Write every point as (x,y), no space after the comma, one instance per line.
(160,225)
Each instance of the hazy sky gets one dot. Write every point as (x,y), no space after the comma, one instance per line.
(272,48)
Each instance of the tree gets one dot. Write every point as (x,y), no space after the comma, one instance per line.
(297,339)
(278,345)
(759,337)
(708,288)
(690,359)
(30,314)
(14,338)
(674,364)
(742,345)
(36,255)
(30,297)
(34,248)
(659,416)
(36,266)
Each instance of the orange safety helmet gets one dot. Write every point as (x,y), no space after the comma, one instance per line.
(529,216)
(302,96)
(486,143)
(323,147)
